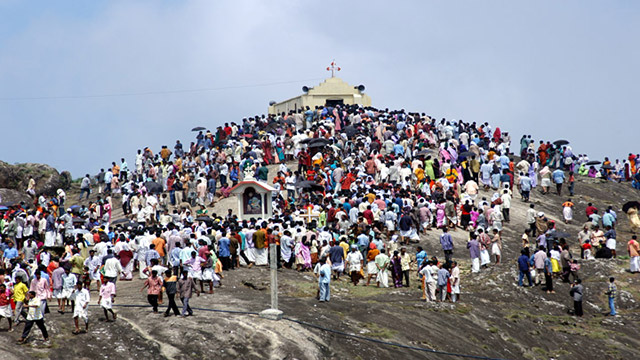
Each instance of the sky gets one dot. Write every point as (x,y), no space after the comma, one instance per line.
(84,83)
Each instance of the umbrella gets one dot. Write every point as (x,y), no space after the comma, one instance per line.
(120,221)
(74,232)
(206,219)
(199,128)
(467,153)
(560,142)
(351,131)
(422,153)
(607,167)
(318,143)
(78,221)
(305,141)
(630,204)
(309,185)
(153,187)
(594,162)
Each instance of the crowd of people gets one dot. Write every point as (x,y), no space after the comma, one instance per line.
(355,190)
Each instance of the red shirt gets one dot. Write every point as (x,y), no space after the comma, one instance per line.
(590,210)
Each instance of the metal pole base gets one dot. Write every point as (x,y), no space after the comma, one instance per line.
(271,314)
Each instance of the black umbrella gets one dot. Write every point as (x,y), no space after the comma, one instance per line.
(467,154)
(309,186)
(78,221)
(630,204)
(199,128)
(560,142)
(351,131)
(206,219)
(594,162)
(422,153)
(607,167)
(153,187)
(120,221)
(318,143)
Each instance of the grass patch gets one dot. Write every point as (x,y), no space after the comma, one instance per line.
(463,308)
(493,330)
(376,330)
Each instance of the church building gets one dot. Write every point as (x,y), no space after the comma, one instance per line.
(333,91)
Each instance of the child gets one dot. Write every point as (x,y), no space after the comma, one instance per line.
(587,250)
(186,287)
(5,305)
(68,284)
(611,294)
(573,268)
(81,306)
(218,274)
(572,180)
(107,296)
(85,278)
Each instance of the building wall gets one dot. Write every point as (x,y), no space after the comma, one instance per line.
(331,89)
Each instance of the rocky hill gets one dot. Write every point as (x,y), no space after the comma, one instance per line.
(494,319)
(16,177)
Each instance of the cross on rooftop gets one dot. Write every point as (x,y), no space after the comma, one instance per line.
(333,68)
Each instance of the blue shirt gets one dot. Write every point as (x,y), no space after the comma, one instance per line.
(558,176)
(363,241)
(523,263)
(443,276)
(223,247)
(325,274)
(174,256)
(420,256)
(11,253)
(446,241)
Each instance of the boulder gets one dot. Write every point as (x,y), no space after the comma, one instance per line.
(48,179)
(10,196)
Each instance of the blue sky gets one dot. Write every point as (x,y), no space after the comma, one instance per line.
(550,69)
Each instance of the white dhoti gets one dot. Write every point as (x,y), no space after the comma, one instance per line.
(611,244)
(105,303)
(127,271)
(372,268)
(383,278)
(250,253)
(141,266)
(57,293)
(49,238)
(195,274)
(567,213)
(207,274)
(81,313)
(495,249)
(6,312)
(485,258)
(262,256)
(475,265)
(634,264)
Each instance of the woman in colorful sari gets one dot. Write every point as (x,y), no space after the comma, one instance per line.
(280,151)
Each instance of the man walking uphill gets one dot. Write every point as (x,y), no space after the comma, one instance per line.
(447,245)
(577,292)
